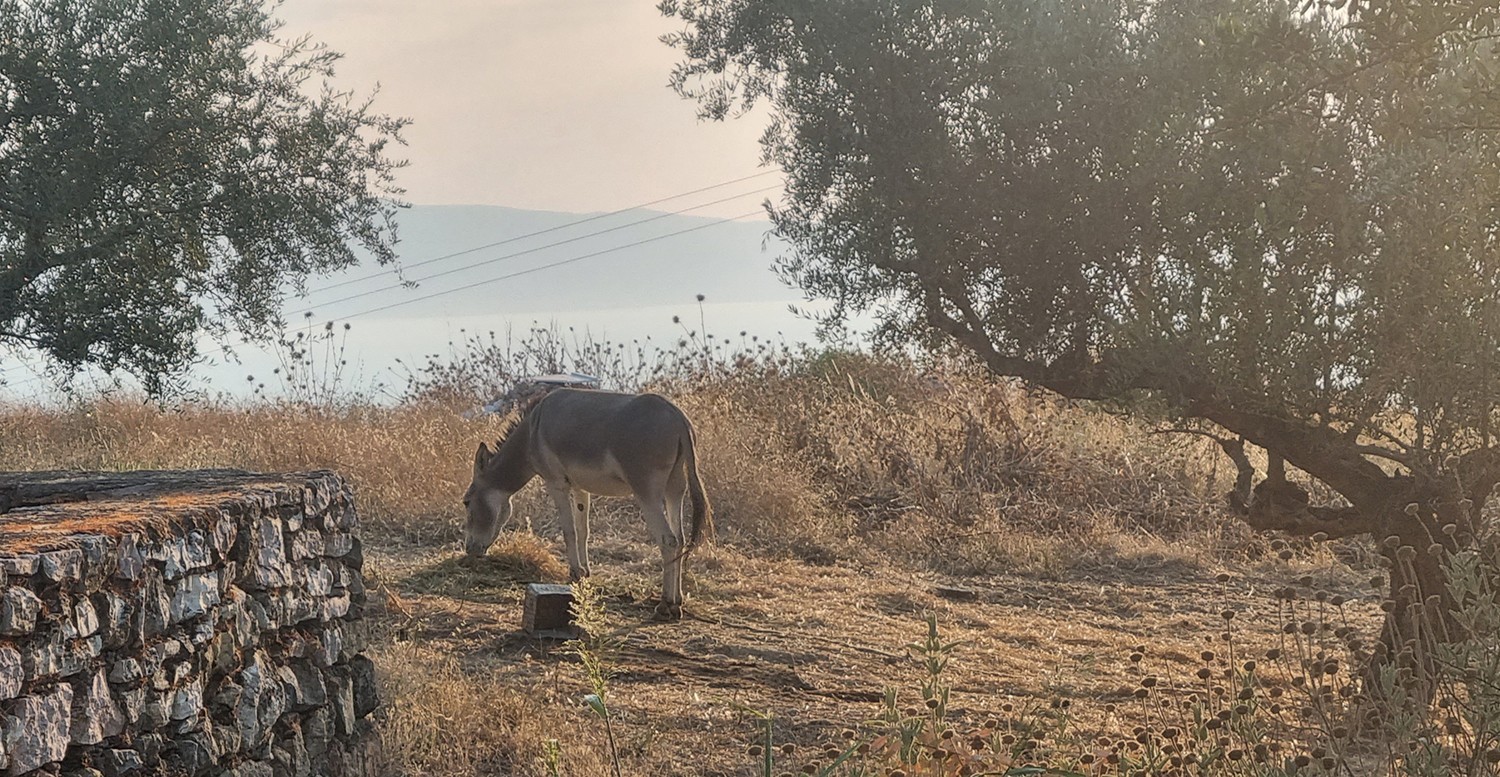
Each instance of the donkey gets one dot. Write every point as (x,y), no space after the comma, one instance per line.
(585,442)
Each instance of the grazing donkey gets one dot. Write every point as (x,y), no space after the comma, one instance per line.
(584,442)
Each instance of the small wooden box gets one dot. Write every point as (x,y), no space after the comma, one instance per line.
(548,610)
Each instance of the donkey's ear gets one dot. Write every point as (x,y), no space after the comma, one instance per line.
(482,456)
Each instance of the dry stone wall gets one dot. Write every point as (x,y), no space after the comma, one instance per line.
(195,623)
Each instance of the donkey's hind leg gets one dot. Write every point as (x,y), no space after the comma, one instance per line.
(567,512)
(676,491)
(669,540)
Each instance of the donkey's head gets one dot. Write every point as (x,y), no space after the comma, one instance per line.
(487,503)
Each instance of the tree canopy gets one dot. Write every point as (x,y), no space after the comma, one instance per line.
(166,168)
(1277,219)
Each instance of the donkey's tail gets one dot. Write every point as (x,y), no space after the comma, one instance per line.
(702,516)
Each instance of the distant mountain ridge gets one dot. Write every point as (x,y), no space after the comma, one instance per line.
(636,261)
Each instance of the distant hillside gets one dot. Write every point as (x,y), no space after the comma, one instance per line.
(728,263)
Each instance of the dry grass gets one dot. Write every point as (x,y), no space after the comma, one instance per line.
(409,464)
(956,474)
(846,490)
(445,718)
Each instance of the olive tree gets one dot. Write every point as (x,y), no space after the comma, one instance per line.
(167,167)
(1279,220)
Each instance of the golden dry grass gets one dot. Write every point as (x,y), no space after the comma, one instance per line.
(847,492)
(408,464)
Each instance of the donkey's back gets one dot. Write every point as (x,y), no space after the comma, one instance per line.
(635,434)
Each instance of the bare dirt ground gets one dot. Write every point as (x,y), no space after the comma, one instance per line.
(817,646)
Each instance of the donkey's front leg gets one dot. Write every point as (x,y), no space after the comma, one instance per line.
(567,511)
(583,504)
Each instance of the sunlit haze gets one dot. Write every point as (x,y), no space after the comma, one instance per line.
(533,104)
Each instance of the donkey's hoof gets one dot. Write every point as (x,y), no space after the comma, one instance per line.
(666,611)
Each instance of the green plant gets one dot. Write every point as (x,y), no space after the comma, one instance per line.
(552,757)
(592,648)
(1459,732)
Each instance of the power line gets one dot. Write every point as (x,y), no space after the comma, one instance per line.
(11,369)
(538,232)
(505,257)
(539,268)
(551,265)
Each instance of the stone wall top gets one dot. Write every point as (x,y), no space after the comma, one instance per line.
(47,511)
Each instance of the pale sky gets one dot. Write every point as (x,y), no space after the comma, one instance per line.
(539,104)
(536,104)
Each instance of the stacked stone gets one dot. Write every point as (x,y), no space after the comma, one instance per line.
(190,623)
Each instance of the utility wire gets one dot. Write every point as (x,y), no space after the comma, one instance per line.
(550,265)
(531,270)
(538,232)
(12,368)
(524,252)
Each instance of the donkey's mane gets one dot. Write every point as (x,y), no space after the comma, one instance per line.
(517,414)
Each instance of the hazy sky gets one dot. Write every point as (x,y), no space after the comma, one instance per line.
(535,104)
(544,104)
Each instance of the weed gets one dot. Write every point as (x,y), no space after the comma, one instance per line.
(593,647)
